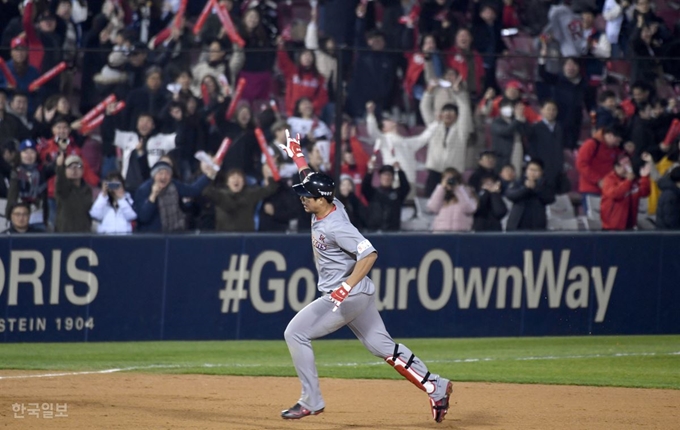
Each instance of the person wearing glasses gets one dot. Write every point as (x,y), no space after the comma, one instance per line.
(73,196)
(19,215)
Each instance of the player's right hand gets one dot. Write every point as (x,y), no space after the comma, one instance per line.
(340,294)
(292,147)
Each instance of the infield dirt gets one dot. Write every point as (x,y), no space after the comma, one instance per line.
(154,401)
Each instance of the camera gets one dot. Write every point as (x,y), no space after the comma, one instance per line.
(113,186)
(452,181)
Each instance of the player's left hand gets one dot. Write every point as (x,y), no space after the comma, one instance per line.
(340,294)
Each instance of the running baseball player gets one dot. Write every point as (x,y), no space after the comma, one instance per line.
(343,259)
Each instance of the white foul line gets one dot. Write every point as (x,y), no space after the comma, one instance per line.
(374,363)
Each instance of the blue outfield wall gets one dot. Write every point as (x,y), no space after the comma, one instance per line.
(97,288)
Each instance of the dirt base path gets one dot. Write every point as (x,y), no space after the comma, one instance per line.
(149,401)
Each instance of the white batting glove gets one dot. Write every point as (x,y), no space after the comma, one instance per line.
(292,147)
(340,294)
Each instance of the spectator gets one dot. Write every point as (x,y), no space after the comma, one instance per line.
(354,159)
(452,203)
(244,152)
(621,193)
(355,208)
(568,91)
(668,209)
(508,175)
(18,107)
(491,208)
(235,204)
(450,133)
(374,73)
(529,196)
(10,126)
(113,207)
(641,92)
(96,44)
(141,148)
(486,165)
(642,132)
(385,201)
(280,208)
(63,142)
(311,129)
(214,65)
(468,63)
(507,133)
(55,105)
(19,214)
(546,142)
(613,12)
(392,146)
(645,48)
(437,18)
(595,47)
(605,115)
(51,43)
(151,99)
(24,73)
(490,105)
(258,62)
(73,196)
(416,77)
(324,55)
(302,80)
(595,160)
(158,200)
(28,182)
(8,149)
(486,30)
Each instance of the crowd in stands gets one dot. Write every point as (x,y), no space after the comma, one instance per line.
(456,115)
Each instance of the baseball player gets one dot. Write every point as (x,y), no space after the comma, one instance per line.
(343,258)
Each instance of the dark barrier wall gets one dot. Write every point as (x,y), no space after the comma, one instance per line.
(95,288)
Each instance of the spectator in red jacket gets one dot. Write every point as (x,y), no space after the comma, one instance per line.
(62,141)
(595,160)
(354,160)
(621,193)
(302,79)
(467,62)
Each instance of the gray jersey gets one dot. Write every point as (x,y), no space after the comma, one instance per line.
(337,246)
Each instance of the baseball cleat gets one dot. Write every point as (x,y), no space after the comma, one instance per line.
(298,411)
(441,407)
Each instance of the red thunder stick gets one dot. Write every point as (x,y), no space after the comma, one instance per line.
(49,75)
(200,22)
(97,109)
(9,77)
(234,100)
(229,26)
(88,127)
(672,133)
(222,151)
(180,14)
(265,150)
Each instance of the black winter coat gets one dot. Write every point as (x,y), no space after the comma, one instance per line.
(384,204)
(528,209)
(490,211)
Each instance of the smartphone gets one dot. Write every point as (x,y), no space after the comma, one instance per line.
(113,186)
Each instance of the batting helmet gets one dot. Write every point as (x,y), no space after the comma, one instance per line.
(316,185)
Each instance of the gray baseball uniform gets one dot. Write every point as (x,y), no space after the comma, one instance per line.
(337,246)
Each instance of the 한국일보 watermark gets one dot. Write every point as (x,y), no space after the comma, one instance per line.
(40,410)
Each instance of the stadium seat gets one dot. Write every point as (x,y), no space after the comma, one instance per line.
(593,220)
(561,214)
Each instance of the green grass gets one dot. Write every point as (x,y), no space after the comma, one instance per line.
(626,361)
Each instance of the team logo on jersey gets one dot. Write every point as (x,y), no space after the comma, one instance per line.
(319,243)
